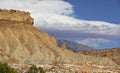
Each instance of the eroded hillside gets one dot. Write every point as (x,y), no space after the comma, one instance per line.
(22,42)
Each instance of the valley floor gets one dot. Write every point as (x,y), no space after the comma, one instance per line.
(68,68)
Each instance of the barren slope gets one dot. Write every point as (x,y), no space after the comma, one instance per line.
(21,42)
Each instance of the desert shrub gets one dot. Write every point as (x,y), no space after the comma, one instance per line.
(4,68)
(41,70)
(34,69)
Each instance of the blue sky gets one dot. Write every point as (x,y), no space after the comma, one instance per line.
(99,10)
(102,10)
(94,23)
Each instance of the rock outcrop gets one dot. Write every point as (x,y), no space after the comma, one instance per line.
(16,15)
(21,42)
(63,47)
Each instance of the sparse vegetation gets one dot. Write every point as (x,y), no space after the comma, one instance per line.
(4,68)
(34,69)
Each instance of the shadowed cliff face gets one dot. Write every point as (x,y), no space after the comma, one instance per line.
(21,42)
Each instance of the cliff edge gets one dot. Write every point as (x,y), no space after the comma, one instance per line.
(16,15)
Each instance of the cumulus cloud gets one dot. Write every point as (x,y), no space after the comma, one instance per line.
(68,24)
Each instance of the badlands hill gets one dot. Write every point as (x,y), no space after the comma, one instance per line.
(113,54)
(74,46)
(21,42)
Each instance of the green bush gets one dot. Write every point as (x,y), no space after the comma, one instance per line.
(4,68)
(34,69)
(41,70)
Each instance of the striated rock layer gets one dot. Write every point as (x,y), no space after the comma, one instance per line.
(21,42)
(16,15)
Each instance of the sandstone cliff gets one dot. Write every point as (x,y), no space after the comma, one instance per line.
(21,42)
(16,15)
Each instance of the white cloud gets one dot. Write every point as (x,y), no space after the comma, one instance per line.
(66,23)
(94,42)
(55,15)
(37,7)
(51,14)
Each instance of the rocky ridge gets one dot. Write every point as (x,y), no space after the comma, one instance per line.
(21,42)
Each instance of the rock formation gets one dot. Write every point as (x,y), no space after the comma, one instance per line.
(16,15)
(63,47)
(21,42)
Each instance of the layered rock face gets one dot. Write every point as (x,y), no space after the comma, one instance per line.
(21,42)
(16,15)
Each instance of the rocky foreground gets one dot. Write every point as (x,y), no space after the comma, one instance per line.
(113,54)
(22,43)
(68,68)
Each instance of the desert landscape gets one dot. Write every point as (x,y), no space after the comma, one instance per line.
(23,45)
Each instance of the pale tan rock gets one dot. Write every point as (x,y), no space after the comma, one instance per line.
(63,47)
(16,15)
(21,42)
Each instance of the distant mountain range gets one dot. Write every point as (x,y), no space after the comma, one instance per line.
(113,53)
(74,46)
